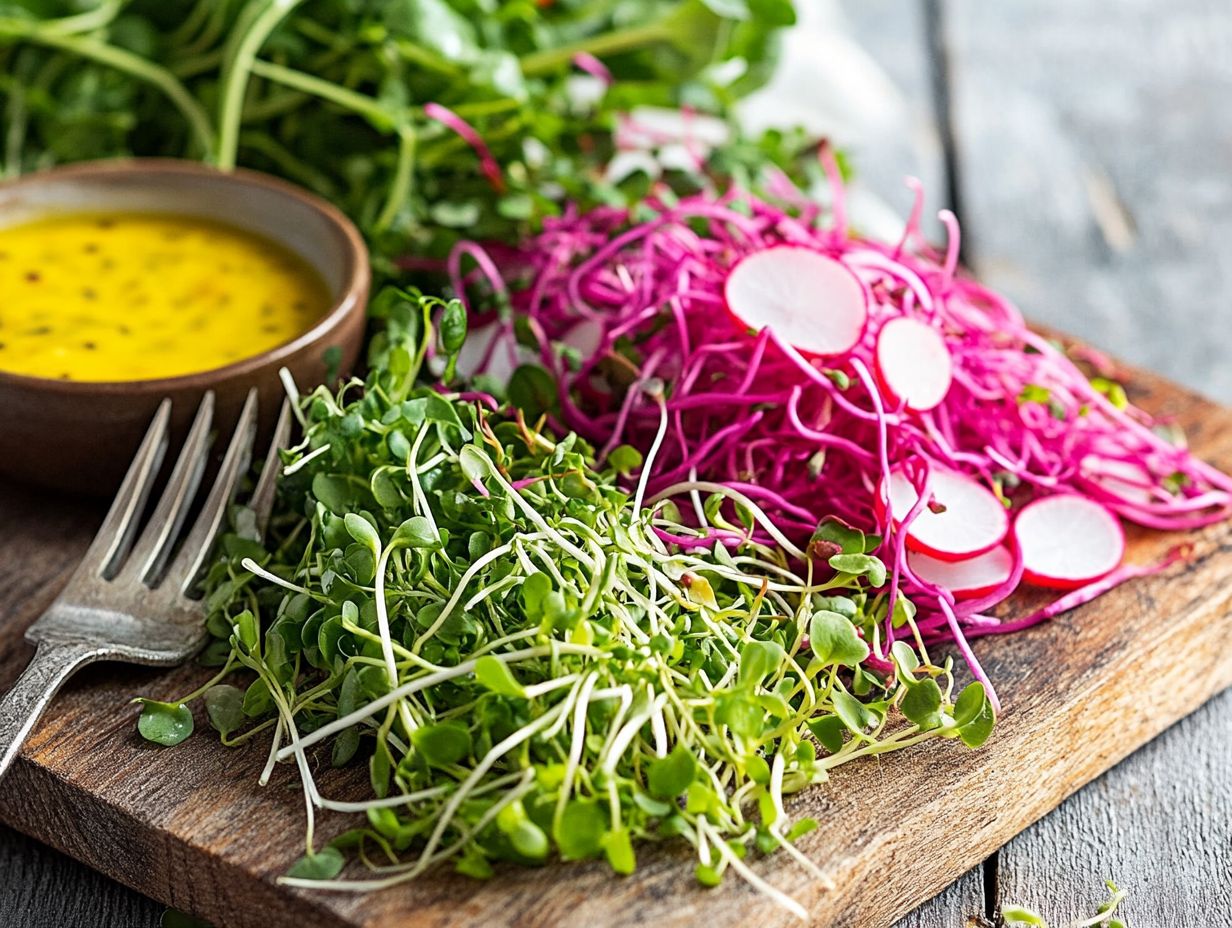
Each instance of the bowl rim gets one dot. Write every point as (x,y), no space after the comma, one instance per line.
(356,275)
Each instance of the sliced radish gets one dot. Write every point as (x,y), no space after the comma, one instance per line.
(963,521)
(811,302)
(913,364)
(585,337)
(966,579)
(1123,479)
(1068,541)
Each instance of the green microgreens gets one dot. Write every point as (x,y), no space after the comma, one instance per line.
(527,667)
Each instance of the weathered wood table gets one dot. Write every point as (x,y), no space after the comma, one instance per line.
(1086,147)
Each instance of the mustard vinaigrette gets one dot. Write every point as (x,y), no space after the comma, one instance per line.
(138,296)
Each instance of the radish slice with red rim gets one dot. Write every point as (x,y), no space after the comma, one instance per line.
(1068,541)
(966,579)
(811,302)
(914,364)
(1124,480)
(964,518)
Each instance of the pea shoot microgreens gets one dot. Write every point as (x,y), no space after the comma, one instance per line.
(524,659)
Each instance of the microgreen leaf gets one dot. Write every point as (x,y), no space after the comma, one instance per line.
(861,565)
(758,659)
(362,530)
(325,864)
(624,459)
(618,849)
(442,744)
(922,703)
(833,640)
(975,732)
(224,705)
(828,730)
(164,723)
(670,776)
(850,540)
(579,834)
(495,676)
(415,532)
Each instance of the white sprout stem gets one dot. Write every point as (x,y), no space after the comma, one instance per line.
(648,465)
(288,384)
(499,750)
(409,872)
(658,729)
(458,592)
(776,791)
(576,745)
(764,520)
(776,895)
(422,683)
(310,456)
(273,754)
(412,471)
(382,617)
(618,745)
(406,799)
(254,568)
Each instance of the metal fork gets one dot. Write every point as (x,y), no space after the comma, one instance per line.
(133,602)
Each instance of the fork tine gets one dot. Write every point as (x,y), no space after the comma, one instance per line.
(120,525)
(200,539)
(262,501)
(154,546)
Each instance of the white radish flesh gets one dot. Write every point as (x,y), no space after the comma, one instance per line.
(913,364)
(964,519)
(811,302)
(966,579)
(1068,541)
(1123,479)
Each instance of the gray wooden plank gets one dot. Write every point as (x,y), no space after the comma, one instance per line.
(1092,143)
(961,905)
(42,889)
(905,138)
(1158,824)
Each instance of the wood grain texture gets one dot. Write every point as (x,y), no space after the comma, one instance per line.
(959,905)
(189,827)
(1092,141)
(40,889)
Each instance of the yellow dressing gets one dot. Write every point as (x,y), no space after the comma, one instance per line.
(137,296)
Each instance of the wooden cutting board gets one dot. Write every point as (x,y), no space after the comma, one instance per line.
(190,827)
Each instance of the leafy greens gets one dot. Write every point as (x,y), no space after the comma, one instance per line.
(337,94)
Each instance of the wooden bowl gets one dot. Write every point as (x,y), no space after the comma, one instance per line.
(79,436)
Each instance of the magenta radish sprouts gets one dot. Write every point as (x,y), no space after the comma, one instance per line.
(965,579)
(763,321)
(1068,541)
(914,366)
(960,519)
(811,302)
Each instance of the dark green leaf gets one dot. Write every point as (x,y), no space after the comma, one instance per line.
(224,705)
(668,777)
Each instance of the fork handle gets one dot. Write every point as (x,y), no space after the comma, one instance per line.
(23,705)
